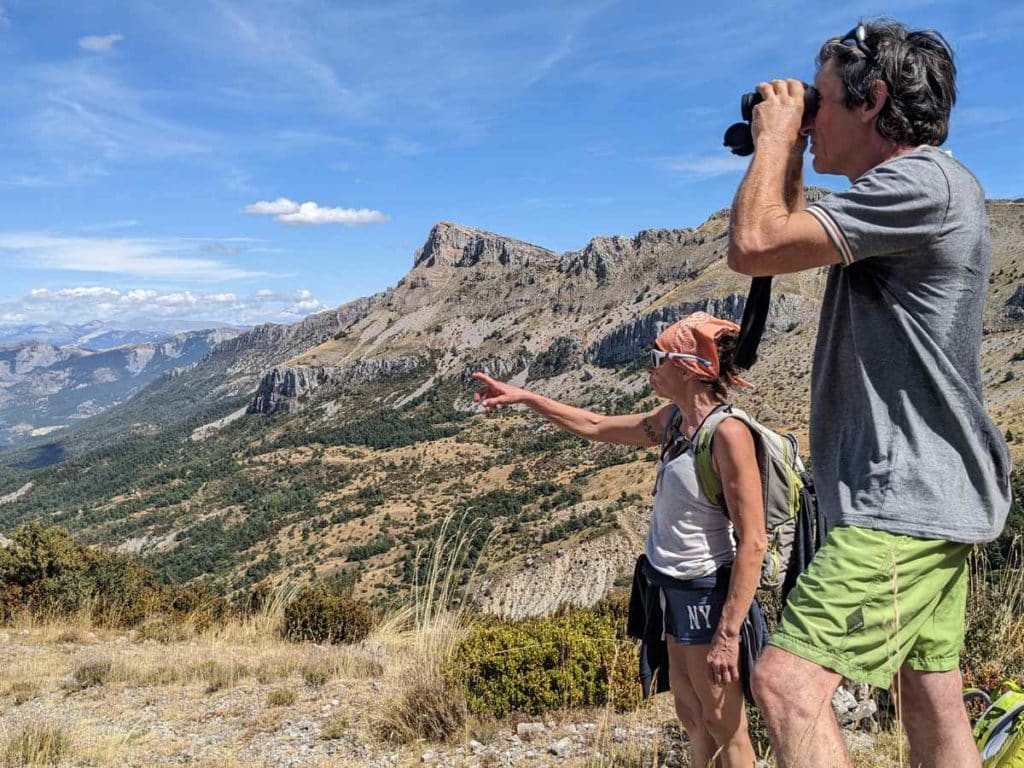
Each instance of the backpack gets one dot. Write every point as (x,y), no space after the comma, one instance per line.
(999,732)
(795,527)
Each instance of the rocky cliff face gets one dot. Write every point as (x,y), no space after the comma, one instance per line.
(551,577)
(627,341)
(283,387)
(602,255)
(249,354)
(453,245)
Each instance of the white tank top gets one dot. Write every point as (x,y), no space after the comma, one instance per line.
(690,537)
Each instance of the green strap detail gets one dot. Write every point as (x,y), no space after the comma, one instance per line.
(708,481)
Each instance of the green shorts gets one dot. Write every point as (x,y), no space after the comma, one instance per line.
(872,601)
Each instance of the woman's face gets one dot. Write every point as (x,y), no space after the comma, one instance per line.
(666,378)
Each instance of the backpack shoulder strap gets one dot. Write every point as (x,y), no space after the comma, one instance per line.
(708,481)
(671,436)
(672,427)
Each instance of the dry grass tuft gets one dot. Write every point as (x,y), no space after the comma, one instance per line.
(316,674)
(219,676)
(334,727)
(37,744)
(21,691)
(91,674)
(73,635)
(994,647)
(282,697)
(425,709)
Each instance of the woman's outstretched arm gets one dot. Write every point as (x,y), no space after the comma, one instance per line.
(643,429)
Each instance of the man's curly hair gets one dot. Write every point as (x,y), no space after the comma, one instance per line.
(920,74)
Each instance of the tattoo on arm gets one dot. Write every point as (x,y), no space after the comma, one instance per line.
(649,429)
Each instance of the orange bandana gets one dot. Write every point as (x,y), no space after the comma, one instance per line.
(696,335)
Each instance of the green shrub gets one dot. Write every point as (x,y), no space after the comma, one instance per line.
(615,607)
(320,616)
(47,573)
(536,665)
(625,693)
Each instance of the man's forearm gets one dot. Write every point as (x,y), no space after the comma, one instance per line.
(764,196)
(795,182)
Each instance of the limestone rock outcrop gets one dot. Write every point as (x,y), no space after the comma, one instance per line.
(453,245)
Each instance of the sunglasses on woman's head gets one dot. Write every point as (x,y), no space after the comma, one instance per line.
(658,357)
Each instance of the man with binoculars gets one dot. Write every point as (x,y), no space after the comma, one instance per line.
(908,468)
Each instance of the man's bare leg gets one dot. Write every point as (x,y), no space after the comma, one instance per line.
(938,729)
(795,697)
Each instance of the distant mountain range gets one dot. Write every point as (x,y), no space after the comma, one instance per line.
(44,388)
(99,335)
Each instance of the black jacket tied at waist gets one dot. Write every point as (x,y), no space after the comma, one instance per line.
(646,623)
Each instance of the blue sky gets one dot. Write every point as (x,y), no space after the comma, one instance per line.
(155,157)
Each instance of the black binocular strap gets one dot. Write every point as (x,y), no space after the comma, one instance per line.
(755,315)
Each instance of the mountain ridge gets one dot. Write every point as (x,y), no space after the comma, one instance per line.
(341,442)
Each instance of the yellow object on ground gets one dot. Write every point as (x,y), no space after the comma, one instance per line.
(999,732)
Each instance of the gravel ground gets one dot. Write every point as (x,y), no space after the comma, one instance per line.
(123,722)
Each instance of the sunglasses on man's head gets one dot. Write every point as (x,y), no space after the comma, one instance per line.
(856,38)
(658,357)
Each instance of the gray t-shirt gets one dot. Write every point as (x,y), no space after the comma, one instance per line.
(900,440)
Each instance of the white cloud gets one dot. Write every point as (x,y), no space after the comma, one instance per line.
(119,224)
(82,303)
(100,43)
(273,207)
(138,295)
(706,166)
(84,292)
(142,258)
(176,299)
(289,212)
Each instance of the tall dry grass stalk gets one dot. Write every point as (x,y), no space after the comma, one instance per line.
(261,628)
(995,619)
(48,625)
(37,744)
(428,628)
(423,637)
